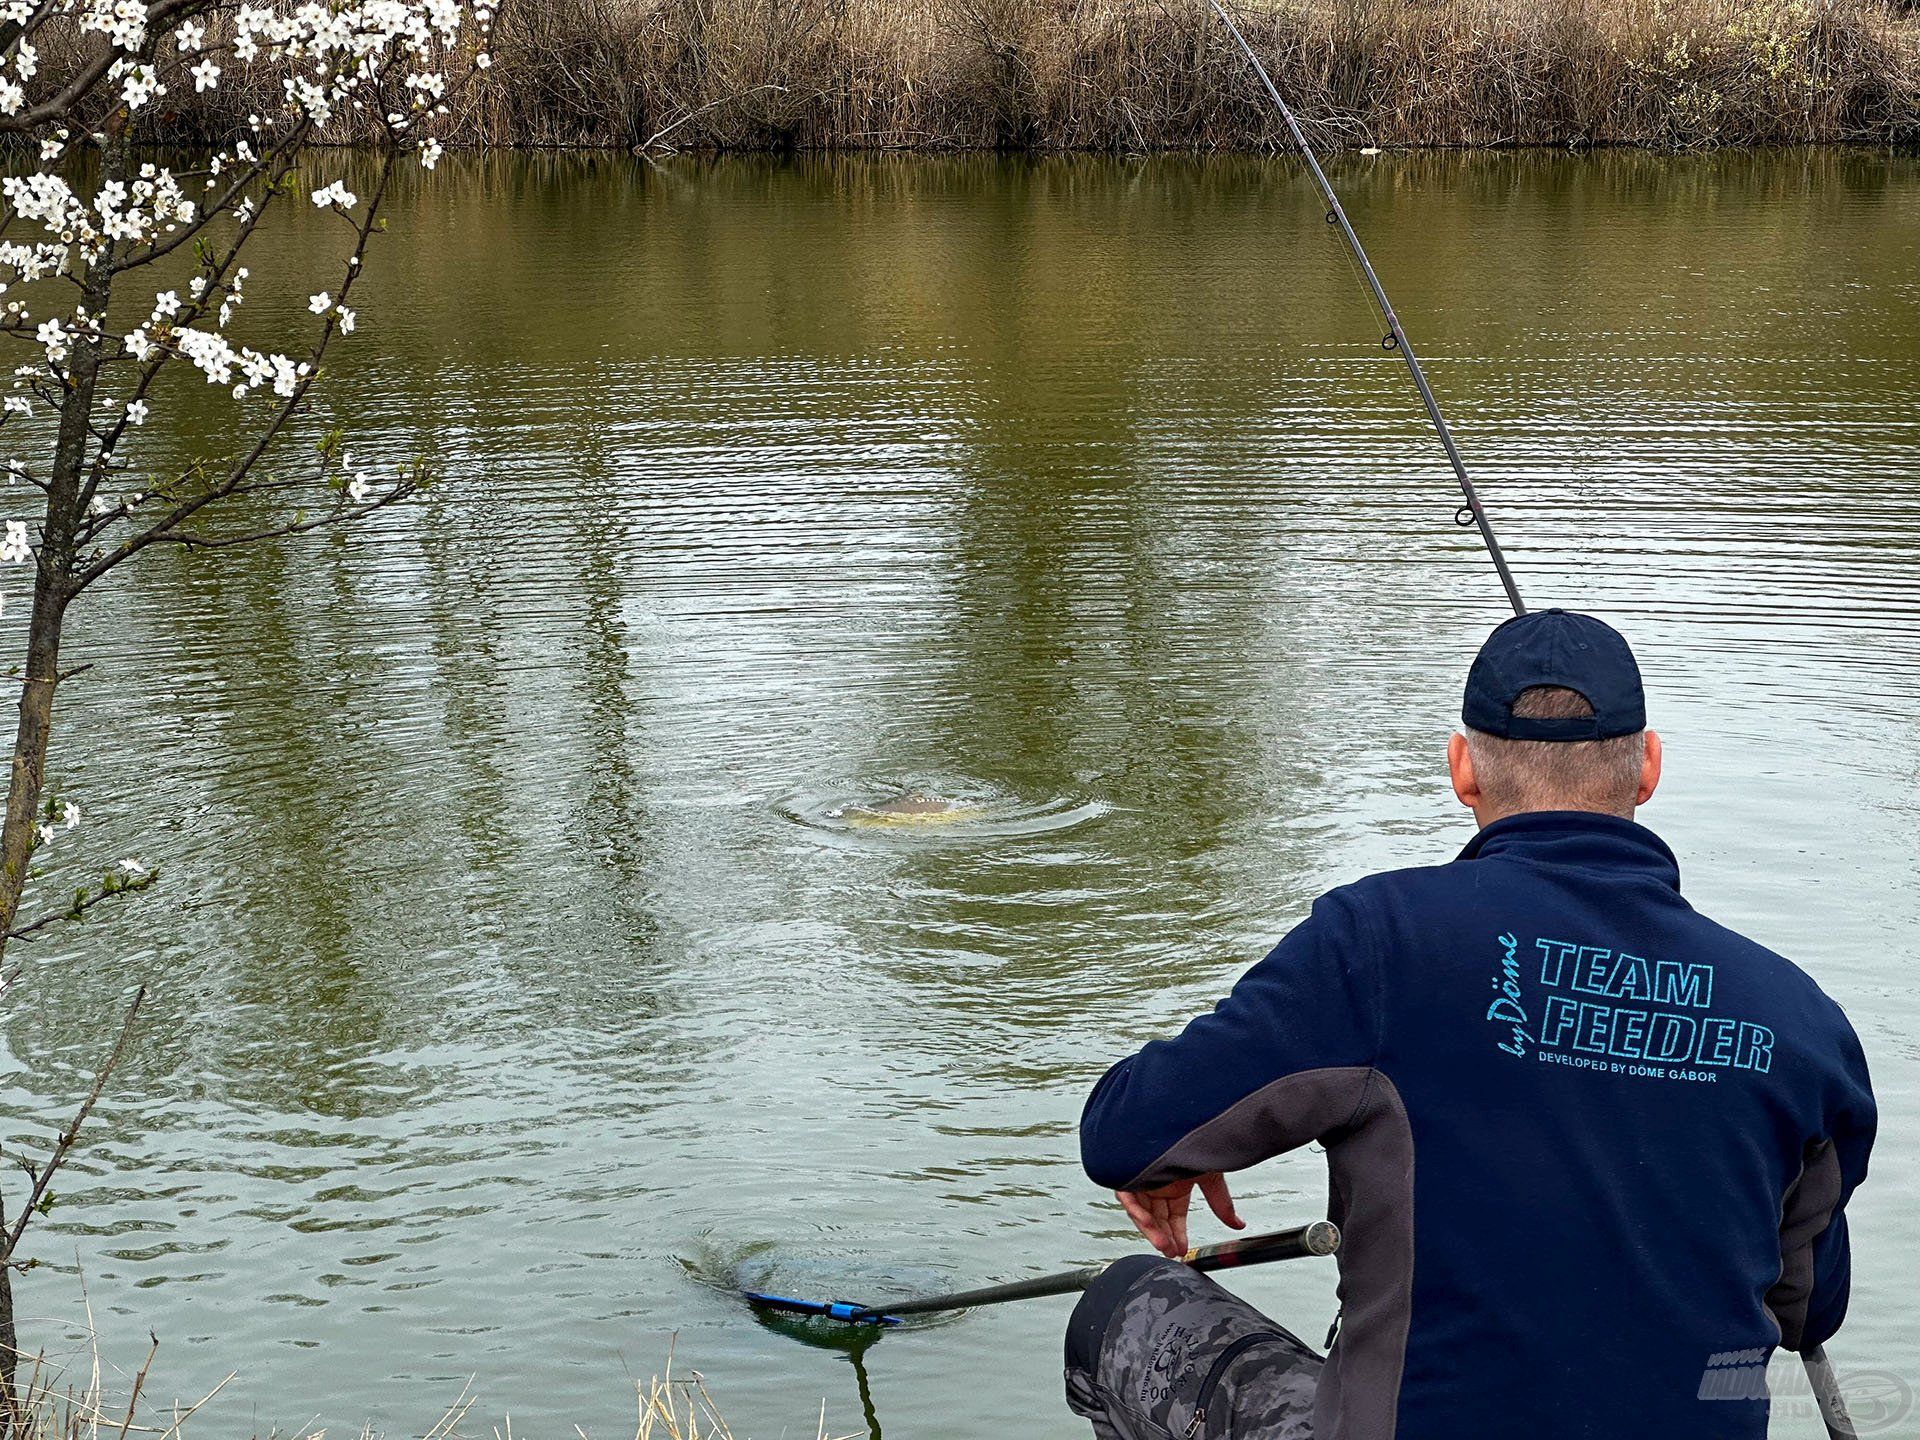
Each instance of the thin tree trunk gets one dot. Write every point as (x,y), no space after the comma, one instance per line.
(51,592)
(12,1422)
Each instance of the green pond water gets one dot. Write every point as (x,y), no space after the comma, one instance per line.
(529,964)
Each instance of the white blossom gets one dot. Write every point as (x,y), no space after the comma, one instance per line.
(46,200)
(318,303)
(124,22)
(150,206)
(335,194)
(57,339)
(347,320)
(70,815)
(133,867)
(206,75)
(13,545)
(136,412)
(139,84)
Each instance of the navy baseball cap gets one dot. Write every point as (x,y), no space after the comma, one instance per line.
(1562,649)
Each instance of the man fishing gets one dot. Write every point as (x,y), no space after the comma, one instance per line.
(1590,1151)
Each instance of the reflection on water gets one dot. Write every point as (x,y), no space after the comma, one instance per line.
(491,970)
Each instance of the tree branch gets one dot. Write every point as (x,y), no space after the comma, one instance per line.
(84,901)
(167,526)
(63,1145)
(62,105)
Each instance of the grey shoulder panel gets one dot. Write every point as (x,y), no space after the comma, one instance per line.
(1804,1214)
(1357,1113)
(1371,1165)
(1281,1115)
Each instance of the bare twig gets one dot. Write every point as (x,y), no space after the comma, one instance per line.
(83,902)
(63,1144)
(659,135)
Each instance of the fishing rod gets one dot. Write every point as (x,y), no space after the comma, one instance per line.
(1826,1385)
(1320,1238)
(1395,338)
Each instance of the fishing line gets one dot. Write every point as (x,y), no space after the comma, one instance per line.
(1470,513)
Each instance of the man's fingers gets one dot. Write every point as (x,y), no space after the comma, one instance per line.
(1161,1215)
(1140,1210)
(1162,1236)
(1177,1223)
(1220,1200)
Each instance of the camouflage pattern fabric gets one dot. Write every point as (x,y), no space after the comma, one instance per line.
(1155,1351)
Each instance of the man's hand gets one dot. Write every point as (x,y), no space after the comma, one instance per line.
(1161,1215)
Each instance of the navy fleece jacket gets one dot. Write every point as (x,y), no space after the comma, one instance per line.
(1590,1150)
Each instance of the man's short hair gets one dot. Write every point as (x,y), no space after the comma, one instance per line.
(1520,775)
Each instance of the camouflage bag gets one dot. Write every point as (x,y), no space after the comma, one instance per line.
(1158,1352)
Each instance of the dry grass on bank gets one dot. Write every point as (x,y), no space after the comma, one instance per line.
(1141,75)
(63,1405)
(1150,75)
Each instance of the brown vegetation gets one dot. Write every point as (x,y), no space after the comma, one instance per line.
(1140,75)
(1151,75)
(79,1403)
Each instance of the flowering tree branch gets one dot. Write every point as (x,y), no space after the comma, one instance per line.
(131,878)
(79,82)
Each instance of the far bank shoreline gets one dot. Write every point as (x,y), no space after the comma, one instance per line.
(1163,77)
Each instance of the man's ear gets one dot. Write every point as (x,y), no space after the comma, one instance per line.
(1460,768)
(1649,769)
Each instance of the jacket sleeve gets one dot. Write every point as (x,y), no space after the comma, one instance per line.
(1830,1271)
(1283,1060)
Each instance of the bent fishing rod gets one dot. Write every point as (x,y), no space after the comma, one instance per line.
(1826,1387)
(1320,1238)
(1395,338)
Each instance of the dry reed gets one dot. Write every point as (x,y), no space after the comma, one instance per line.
(80,1403)
(1147,75)
(1152,75)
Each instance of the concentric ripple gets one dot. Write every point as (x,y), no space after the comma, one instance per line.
(917,809)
